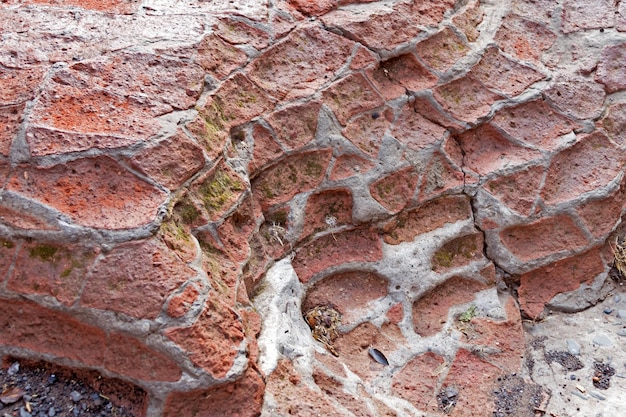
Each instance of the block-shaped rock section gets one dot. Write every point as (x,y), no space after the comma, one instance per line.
(301,208)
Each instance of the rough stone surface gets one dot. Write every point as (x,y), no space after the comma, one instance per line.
(134,279)
(180,181)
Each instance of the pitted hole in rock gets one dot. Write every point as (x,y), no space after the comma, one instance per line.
(602,376)
(323,321)
(568,361)
(447,398)
(515,397)
(46,385)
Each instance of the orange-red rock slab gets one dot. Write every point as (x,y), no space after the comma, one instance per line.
(601,216)
(107,6)
(536,123)
(366,131)
(584,14)
(94,192)
(219,58)
(592,162)
(418,380)
(537,287)
(10,117)
(614,124)
(546,236)
(358,245)
(18,85)
(213,341)
(415,130)
(27,325)
(503,74)
(348,292)
(395,190)
(466,98)
(240,398)
(469,20)
(237,32)
(580,97)
(20,219)
(459,251)
(326,210)
(427,217)
(439,177)
(181,303)
(524,38)
(442,50)
(348,166)
(135,278)
(350,96)
(430,311)
(172,161)
(395,76)
(300,63)
(51,269)
(218,190)
(520,190)
(266,149)
(295,125)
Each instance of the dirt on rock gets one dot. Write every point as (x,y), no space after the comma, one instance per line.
(42,389)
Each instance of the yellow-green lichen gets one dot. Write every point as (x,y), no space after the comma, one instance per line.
(44,252)
(7,244)
(219,190)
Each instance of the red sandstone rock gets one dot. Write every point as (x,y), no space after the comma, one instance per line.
(180,303)
(430,311)
(620,23)
(10,117)
(583,14)
(212,342)
(590,163)
(367,130)
(348,292)
(358,245)
(395,76)
(469,20)
(418,380)
(415,131)
(520,190)
(18,85)
(172,161)
(504,75)
(237,101)
(219,58)
(466,98)
(285,384)
(297,173)
(212,137)
(544,237)
(442,50)
(238,228)
(612,69)
(539,10)
(295,125)
(427,217)
(363,58)
(349,165)
(536,123)
(351,96)
(51,269)
(395,190)
(318,55)
(379,26)
(21,219)
(241,398)
(473,377)
(458,252)
(524,38)
(218,190)
(314,7)
(27,325)
(326,210)
(266,149)
(7,252)
(601,216)
(238,32)
(487,150)
(353,348)
(439,177)
(614,124)
(579,97)
(82,190)
(135,279)
(537,287)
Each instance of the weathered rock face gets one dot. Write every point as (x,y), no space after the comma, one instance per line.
(163,163)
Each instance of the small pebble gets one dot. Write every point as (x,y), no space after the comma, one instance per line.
(597,395)
(24,413)
(52,412)
(608,310)
(75,396)
(621,332)
(602,340)
(579,394)
(451,392)
(52,379)
(13,369)
(621,314)
(573,347)
(617,298)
